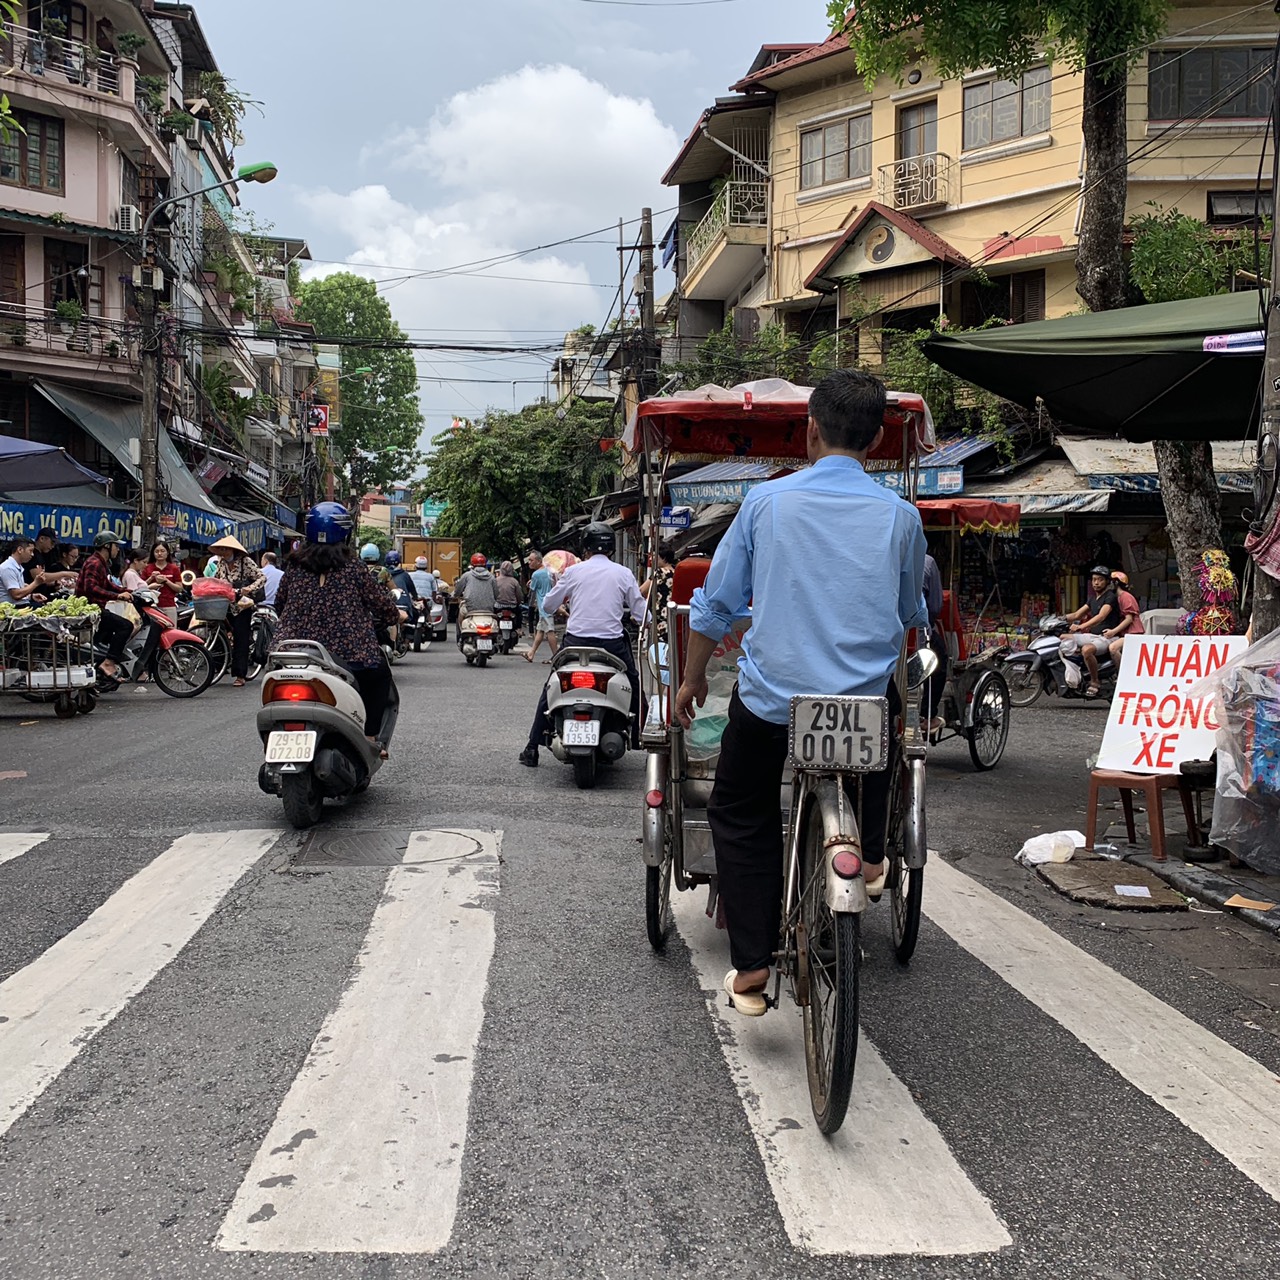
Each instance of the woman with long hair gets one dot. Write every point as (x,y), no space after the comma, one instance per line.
(328,596)
(164,575)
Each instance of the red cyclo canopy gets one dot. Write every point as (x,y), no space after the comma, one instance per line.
(970,515)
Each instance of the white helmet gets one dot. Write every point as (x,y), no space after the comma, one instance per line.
(420,562)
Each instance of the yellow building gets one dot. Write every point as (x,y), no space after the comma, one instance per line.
(808,199)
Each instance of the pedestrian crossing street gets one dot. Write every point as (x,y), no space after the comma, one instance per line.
(366,1151)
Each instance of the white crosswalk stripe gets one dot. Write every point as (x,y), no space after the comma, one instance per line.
(381,1102)
(845,1194)
(1179,1065)
(13,844)
(53,1007)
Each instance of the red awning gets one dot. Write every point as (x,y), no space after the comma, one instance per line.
(970,515)
(764,419)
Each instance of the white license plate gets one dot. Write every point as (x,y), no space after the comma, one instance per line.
(484,645)
(839,735)
(291,746)
(581,733)
(505,626)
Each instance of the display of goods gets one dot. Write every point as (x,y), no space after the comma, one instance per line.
(212,588)
(64,607)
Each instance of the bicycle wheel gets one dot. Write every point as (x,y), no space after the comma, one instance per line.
(990,729)
(657,892)
(903,885)
(218,643)
(259,643)
(829,954)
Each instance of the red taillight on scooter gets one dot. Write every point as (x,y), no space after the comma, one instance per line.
(297,691)
(582,680)
(597,680)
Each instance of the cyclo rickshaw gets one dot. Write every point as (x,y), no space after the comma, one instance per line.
(834,739)
(975,702)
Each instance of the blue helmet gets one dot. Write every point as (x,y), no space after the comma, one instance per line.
(393,560)
(329,522)
(370,554)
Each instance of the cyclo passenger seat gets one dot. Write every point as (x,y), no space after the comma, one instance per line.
(952,628)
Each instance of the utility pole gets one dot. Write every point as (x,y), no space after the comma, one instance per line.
(648,327)
(149,441)
(1266,590)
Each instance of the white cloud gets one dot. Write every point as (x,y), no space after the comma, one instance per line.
(531,157)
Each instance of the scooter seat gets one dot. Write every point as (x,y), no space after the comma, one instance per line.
(585,656)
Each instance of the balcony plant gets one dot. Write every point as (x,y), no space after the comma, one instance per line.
(176,122)
(153,92)
(70,313)
(130,44)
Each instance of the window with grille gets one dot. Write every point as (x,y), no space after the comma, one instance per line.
(1238,208)
(1000,110)
(1214,83)
(33,158)
(836,152)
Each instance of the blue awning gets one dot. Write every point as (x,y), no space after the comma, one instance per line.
(76,513)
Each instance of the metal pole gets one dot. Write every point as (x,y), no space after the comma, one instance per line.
(1266,595)
(648,328)
(149,443)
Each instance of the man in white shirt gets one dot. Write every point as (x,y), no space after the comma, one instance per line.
(273,573)
(598,593)
(13,579)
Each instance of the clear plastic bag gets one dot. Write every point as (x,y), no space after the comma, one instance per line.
(702,740)
(1246,810)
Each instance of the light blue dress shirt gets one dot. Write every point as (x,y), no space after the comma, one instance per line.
(599,592)
(832,565)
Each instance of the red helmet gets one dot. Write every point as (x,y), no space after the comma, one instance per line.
(478,561)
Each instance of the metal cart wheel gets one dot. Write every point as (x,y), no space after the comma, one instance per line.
(63,707)
(989,730)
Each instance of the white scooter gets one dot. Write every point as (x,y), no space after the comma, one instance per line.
(477,636)
(589,705)
(312,727)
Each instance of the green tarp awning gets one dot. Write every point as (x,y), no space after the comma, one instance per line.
(1169,371)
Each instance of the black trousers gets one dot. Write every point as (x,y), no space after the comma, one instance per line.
(241,624)
(621,649)
(113,632)
(375,692)
(745,814)
(938,681)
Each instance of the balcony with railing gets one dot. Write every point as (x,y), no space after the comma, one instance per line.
(60,60)
(917,183)
(39,338)
(728,240)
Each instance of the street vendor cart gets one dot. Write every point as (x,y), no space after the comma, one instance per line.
(47,656)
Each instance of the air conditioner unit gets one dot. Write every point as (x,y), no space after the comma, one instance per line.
(130,219)
(196,134)
(148,278)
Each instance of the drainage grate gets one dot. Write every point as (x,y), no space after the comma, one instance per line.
(372,848)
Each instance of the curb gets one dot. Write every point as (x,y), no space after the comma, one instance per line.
(1209,886)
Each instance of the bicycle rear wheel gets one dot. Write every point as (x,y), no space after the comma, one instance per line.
(904,885)
(218,642)
(830,954)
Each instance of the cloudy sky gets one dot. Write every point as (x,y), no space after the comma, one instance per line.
(415,136)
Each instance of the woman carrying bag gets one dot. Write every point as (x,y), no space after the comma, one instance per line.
(236,567)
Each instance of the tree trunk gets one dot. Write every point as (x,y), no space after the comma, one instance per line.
(1101,279)
(1188,484)
(1192,506)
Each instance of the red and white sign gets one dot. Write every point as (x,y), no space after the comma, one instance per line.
(318,419)
(1154,725)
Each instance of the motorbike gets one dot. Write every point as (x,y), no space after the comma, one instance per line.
(176,660)
(1041,668)
(508,627)
(399,634)
(476,636)
(417,626)
(312,730)
(589,705)
(438,622)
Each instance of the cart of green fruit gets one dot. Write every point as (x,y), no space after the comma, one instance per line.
(46,654)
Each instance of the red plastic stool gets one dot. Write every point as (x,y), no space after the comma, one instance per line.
(1153,786)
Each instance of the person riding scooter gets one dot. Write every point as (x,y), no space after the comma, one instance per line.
(1087,623)
(327,596)
(475,590)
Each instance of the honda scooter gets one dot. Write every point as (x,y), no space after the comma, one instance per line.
(589,706)
(508,627)
(477,636)
(1041,668)
(176,660)
(312,728)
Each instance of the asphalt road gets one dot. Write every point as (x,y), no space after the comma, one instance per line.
(219,1058)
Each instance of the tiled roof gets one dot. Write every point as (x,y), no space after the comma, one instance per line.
(834,44)
(928,240)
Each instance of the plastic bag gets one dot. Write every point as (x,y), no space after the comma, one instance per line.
(1246,699)
(702,741)
(1054,846)
(204,588)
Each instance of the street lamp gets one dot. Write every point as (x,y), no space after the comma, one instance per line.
(260,171)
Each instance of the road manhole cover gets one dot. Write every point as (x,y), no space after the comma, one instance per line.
(352,848)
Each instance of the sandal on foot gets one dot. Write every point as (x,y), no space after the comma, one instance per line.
(876,887)
(751,1004)
(528,657)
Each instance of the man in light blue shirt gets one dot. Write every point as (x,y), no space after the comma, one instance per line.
(832,567)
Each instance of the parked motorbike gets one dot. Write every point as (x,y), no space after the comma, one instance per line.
(175,659)
(508,627)
(589,705)
(312,730)
(477,636)
(1041,668)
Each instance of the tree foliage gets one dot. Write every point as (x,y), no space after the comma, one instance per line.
(513,479)
(372,533)
(1175,256)
(376,436)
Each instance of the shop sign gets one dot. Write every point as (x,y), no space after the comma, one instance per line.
(1154,725)
(934,482)
(258,473)
(318,419)
(73,524)
(676,518)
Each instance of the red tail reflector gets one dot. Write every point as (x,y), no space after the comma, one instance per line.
(846,865)
(654,799)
